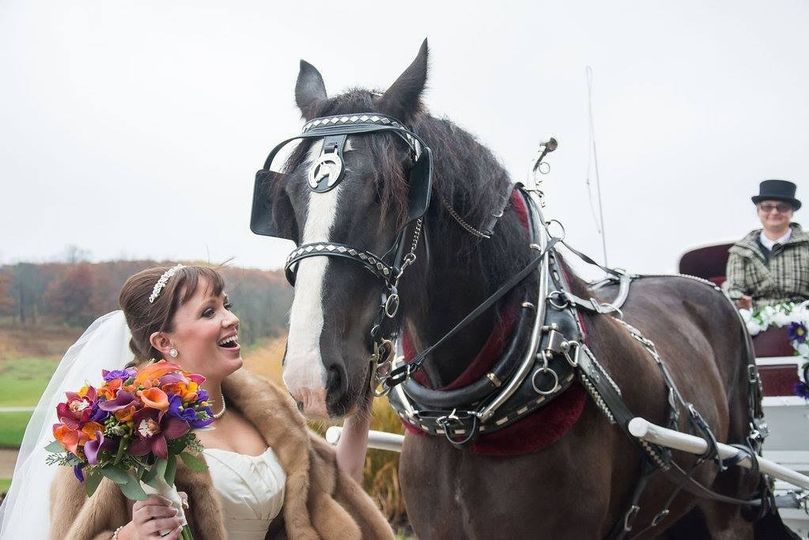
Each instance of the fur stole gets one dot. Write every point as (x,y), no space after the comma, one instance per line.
(319,501)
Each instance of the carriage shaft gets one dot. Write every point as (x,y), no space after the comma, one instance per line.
(378,440)
(643,429)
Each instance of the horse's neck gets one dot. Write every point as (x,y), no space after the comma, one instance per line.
(463,272)
(450,295)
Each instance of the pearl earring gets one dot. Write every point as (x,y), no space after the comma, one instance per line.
(174,353)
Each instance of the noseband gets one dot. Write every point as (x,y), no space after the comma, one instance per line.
(326,174)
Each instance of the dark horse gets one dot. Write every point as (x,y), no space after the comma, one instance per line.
(581,483)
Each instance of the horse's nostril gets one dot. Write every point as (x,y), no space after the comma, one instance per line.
(335,379)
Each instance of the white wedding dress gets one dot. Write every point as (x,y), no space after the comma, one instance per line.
(250,489)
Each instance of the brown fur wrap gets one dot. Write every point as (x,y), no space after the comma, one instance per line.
(319,501)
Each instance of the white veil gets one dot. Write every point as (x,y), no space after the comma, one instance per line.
(25,512)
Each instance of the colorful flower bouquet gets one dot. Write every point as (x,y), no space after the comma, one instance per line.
(132,429)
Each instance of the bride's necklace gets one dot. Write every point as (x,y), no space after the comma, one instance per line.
(219,414)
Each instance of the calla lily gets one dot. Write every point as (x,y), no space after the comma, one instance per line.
(122,400)
(153,372)
(152,432)
(172,378)
(126,414)
(154,398)
(94,447)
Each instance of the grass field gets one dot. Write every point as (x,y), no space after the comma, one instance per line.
(12,427)
(22,380)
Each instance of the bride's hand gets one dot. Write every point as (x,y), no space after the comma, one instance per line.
(151,516)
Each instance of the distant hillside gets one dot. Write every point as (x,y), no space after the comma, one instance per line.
(74,294)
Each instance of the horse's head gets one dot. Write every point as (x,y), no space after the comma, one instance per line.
(349,190)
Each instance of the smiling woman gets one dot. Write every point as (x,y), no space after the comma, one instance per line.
(771,265)
(267,474)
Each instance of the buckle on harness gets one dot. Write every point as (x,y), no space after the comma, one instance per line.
(459,419)
(630,516)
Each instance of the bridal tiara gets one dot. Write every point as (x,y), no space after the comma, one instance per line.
(158,287)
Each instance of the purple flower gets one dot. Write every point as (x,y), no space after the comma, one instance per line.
(202,394)
(171,378)
(78,473)
(797,332)
(198,422)
(175,404)
(99,414)
(153,430)
(188,414)
(118,374)
(93,448)
(802,389)
(121,401)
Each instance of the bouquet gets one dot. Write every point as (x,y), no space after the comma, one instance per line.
(132,429)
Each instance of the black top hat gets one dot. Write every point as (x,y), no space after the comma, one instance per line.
(777,190)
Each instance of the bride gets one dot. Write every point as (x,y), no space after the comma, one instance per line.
(267,476)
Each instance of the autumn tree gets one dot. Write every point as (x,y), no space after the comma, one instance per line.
(68,297)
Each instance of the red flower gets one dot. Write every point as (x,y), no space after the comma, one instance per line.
(152,432)
(77,409)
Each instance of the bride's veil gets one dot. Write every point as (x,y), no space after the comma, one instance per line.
(25,512)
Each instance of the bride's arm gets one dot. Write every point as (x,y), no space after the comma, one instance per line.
(353,444)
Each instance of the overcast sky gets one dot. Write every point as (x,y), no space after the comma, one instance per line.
(134,129)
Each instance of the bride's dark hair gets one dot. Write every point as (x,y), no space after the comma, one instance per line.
(145,318)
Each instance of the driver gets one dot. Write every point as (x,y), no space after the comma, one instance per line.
(771,265)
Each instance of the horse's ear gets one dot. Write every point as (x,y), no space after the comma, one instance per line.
(309,90)
(401,100)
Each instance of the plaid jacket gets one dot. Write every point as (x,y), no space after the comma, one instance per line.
(785,278)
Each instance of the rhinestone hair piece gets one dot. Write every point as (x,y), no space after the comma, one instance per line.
(158,287)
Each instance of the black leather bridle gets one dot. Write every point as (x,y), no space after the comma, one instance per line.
(327,173)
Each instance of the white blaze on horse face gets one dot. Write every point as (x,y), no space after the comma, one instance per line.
(304,372)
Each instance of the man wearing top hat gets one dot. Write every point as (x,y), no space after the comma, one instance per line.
(771,265)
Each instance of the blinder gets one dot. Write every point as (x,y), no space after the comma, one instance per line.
(327,172)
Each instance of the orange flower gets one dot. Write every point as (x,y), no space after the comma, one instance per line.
(154,398)
(186,391)
(110,389)
(152,372)
(125,414)
(90,429)
(70,439)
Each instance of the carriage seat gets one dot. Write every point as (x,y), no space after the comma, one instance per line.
(709,263)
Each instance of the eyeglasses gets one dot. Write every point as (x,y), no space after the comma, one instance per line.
(769,207)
